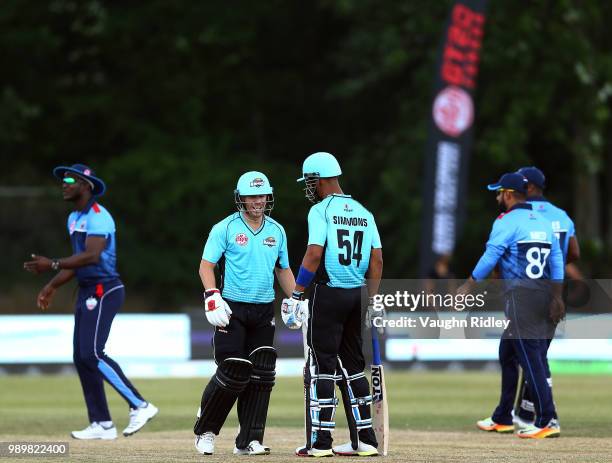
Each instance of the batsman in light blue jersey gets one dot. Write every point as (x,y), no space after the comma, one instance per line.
(249,248)
(343,247)
(523,244)
(563,227)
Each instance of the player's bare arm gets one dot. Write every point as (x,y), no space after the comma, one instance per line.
(286,280)
(94,245)
(207,274)
(311,261)
(573,250)
(45,296)
(374,273)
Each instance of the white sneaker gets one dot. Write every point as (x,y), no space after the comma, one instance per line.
(313,452)
(254,448)
(139,417)
(363,450)
(520,423)
(205,443)
(552,429)
(96,431)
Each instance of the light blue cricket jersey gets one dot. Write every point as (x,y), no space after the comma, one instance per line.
(562,225)
(348,233)
(523,243)
(94,220)
(247,258)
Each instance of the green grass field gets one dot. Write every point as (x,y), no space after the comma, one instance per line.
(427,411)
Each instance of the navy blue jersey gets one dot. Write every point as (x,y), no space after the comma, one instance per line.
(524,245)
(562,225)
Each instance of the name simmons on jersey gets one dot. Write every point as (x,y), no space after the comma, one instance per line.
(350,221)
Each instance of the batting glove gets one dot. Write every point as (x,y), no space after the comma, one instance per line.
(216,309)
(372,314)
(294,311)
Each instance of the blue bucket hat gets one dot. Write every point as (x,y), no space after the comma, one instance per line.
(533,175)
(512,181)
(98,187)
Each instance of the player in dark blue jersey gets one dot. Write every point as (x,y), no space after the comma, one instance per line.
(522,243)
(563,227)
(101,294)
(343,246)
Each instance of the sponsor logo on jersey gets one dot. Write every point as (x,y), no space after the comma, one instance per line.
(538,235)
(257,182)
(242,239)
(270,241)
(347,208)
(350,221)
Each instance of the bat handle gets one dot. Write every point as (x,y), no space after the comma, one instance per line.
(375,348)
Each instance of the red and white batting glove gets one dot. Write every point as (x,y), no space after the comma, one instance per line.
(216,309)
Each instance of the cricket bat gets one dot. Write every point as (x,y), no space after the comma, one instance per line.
(380,410)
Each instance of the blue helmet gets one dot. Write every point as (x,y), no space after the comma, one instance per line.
(253,183)
(321,165)
(316,166)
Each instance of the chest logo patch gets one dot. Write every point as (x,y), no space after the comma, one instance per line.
(242,239)
(269,241)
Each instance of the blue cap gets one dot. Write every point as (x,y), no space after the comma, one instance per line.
(512,181)
(98,187)
(533,175)
(322,165)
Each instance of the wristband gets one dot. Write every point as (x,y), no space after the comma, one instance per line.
(55,265)
(304,277)
(210,292)
(297,295)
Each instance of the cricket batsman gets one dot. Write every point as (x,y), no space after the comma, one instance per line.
(248,247)
(343,246)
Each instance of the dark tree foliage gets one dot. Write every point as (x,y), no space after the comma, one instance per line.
(172,101)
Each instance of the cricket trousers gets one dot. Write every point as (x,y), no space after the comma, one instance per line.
(524,406)
(251,326)
(525,342)
(335,356)
(95,310)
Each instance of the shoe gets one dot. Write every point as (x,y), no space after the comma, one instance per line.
(520,423)
(489,425)
(205,443)
(254,448)
(363,450)
(554,424)
(552,429)
(313,452)
(139,417)
(95,431)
